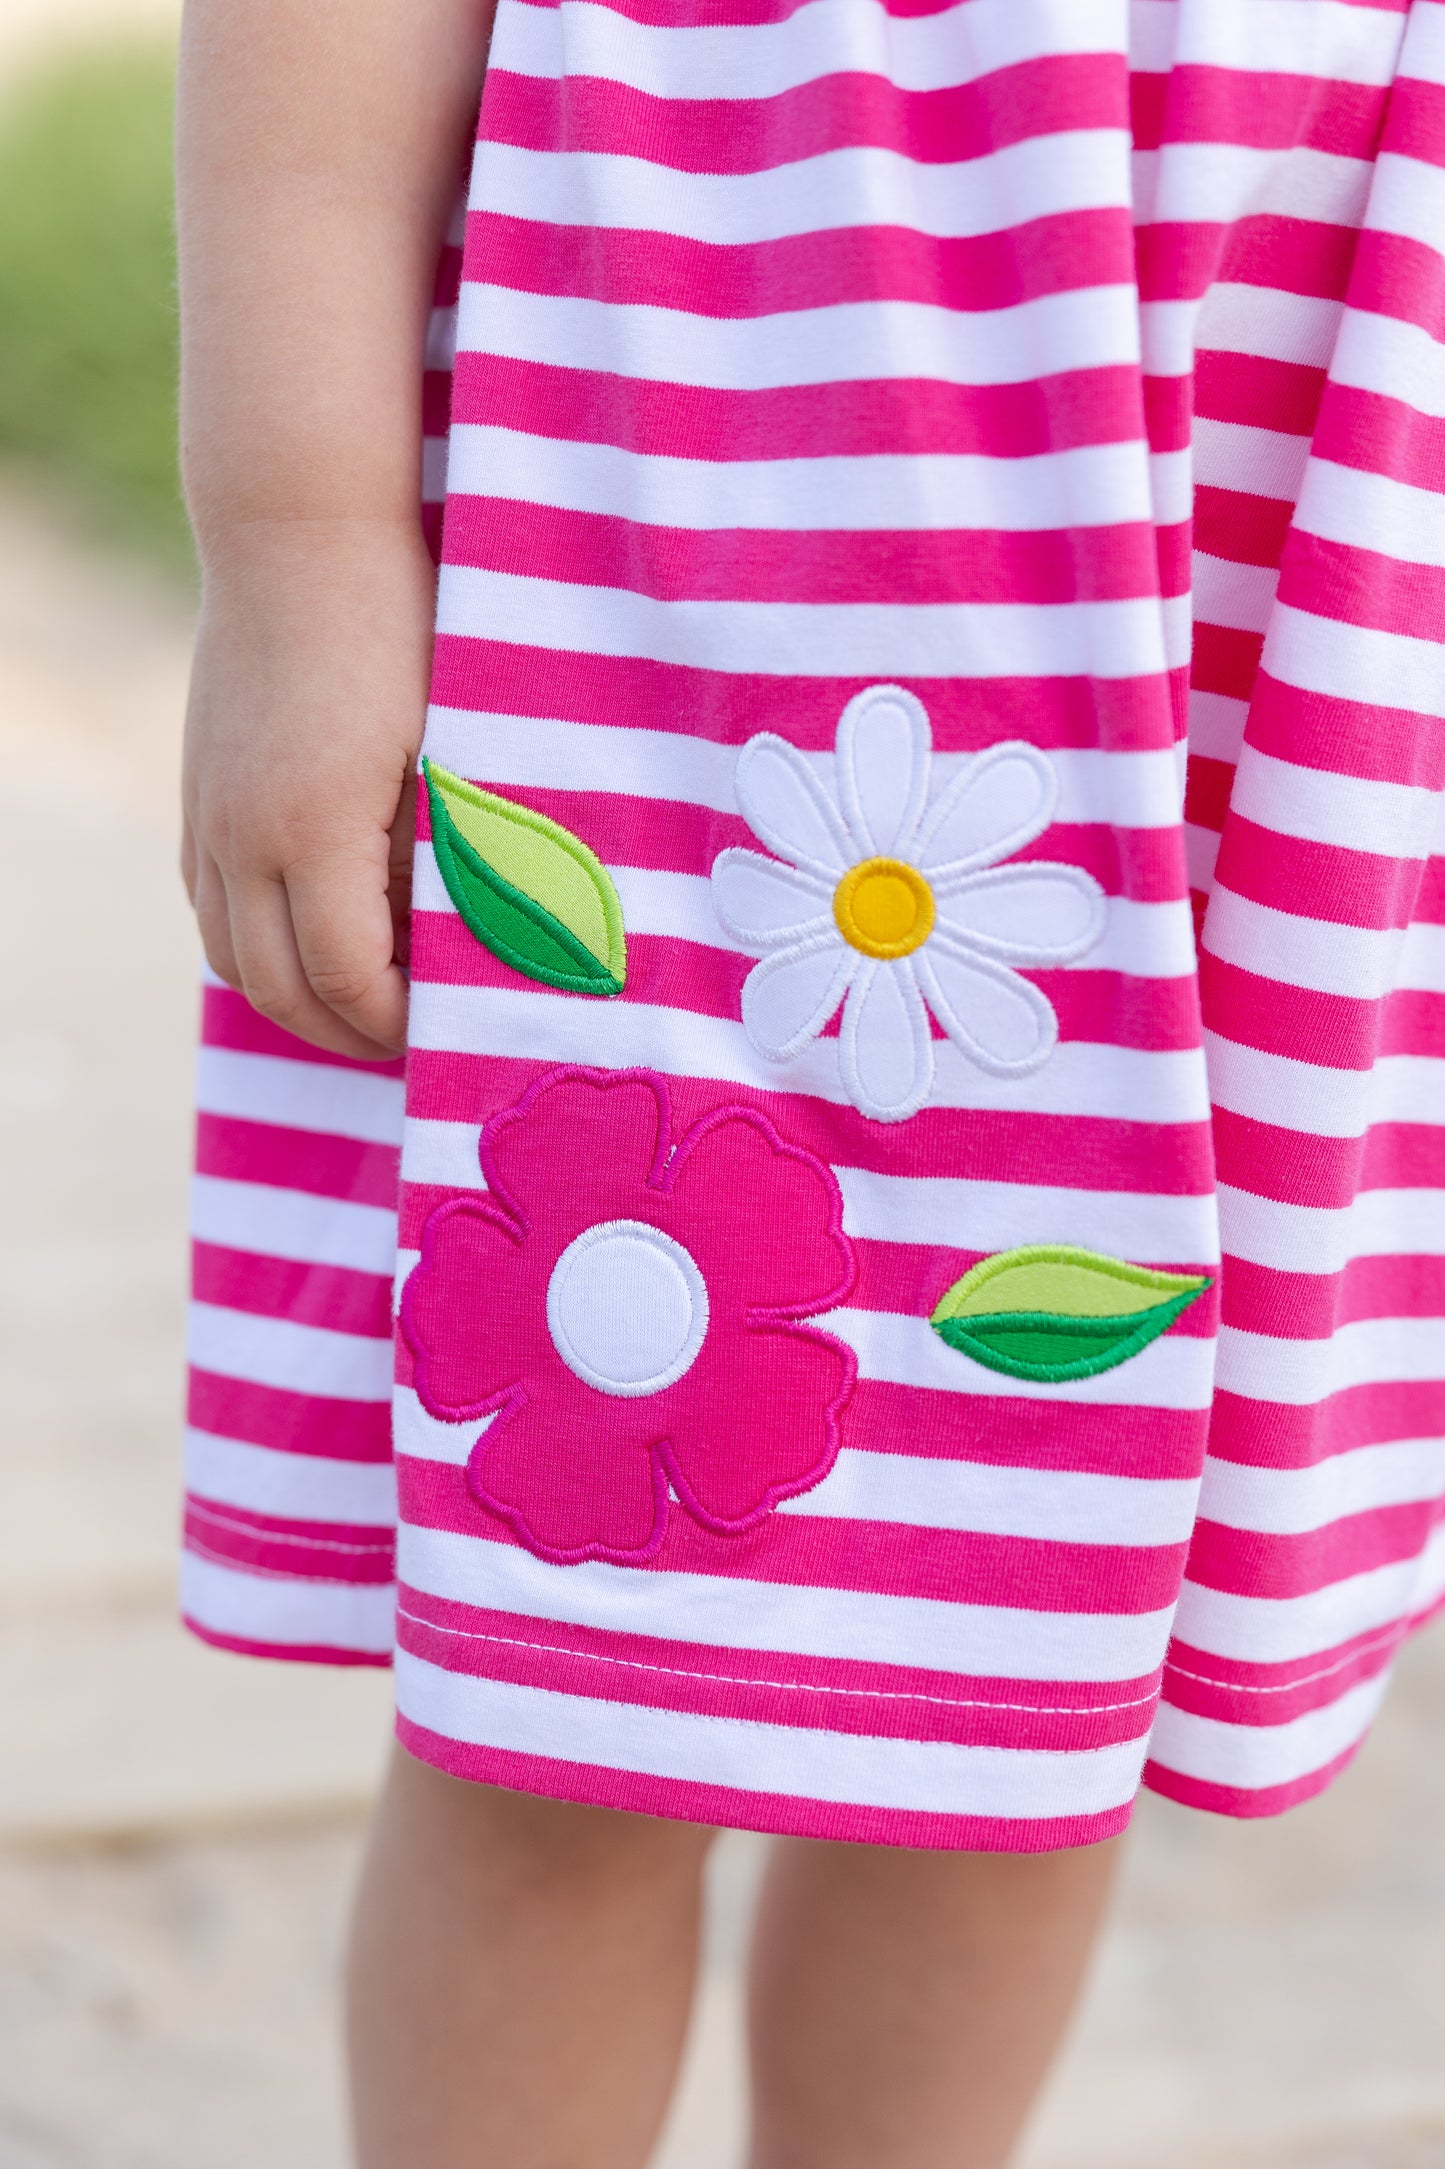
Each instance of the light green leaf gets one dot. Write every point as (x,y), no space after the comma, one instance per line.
(1051,1312)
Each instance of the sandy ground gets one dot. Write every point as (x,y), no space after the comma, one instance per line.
(178,1828)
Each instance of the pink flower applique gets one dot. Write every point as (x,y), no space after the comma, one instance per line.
(630,1315)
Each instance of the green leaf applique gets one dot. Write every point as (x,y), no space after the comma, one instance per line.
(1051,1312)
(529,890)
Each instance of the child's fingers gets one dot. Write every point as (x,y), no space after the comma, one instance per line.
(273,978)
(213,917)
(344,937)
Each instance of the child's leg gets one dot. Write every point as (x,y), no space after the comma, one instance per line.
(905,2005)
(520,1976)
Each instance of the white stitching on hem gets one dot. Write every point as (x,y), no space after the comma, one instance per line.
(1397,1633)
(278,1536)
(786,1686)
(277,1574)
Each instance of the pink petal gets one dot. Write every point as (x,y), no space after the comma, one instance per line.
(573,1475)
(762,1218)
(755,1421)
(464,1305)
(578,1147)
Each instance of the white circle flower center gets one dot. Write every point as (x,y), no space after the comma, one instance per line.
(627,1308)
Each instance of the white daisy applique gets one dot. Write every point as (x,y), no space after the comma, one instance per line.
(888,897)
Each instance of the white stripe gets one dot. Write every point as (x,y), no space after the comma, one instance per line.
(926,1777)
(300,1095)
(1351,505)
(1238,596)
(442,1152)
(1422,964)
(293,1358)
(1289,1502)
(992,1216)
(1357,960)
(762,60)
(1148,940)
(1280,1089)
(1063,1506)
(294,1486)
(732,1612)
(1216,725)
(1319,1239)
(1355,662)
(1092,328)
(1398,360)
(295,1224)
(853,185)
(1000,640)
(1237,319)
(1121,790)
(293,1614)
(1408,198)
(1331,40)
(1090,486)
(1175,1372)
(1217,183)
(1080,1077)
(1257,1756)
(1279,1630)
(1201,853)
(1239,456)
(1302,1373)
(1357,813)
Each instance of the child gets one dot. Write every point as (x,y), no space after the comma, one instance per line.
(811,1191)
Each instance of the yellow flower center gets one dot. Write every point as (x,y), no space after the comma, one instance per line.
(883,907)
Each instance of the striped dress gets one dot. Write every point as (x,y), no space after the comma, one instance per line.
(901,1290)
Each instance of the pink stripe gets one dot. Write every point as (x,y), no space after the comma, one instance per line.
(1224,660)
(1263,108)
(1397,277)
(320,1295)
(730,1808)
(989,1144)
(1239,1800)
(1417,120)
(673,564)
(1381,435)
(1261,1695)
(1288,255)
(1329,1031)
(1318,880)
(1345,737)
(832,112)
(1258,391)
(814,1551)
(264,1549)
(1356,586)
(1249,1563)
(316,1161)
(1295,1168)
(294,1652)
(1241,529)
(296,1423)
(1107,1008)
(1116,715)
(877,1701)
(666,833)
(228,1020)
(854,419)
(1297,1437)
(1311,1306)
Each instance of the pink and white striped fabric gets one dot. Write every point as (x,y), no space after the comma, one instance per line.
(871,418)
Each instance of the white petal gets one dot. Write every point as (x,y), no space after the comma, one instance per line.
(1039,913)
(998,1020)
(885,1050)
(995,805)
(764,903)
(884,756)
(789,997)
(783,802)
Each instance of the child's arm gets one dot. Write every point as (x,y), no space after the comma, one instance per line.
(319,149)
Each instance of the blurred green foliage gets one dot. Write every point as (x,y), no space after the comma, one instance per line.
(87,288)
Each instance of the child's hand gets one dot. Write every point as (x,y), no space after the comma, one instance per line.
(306,713)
